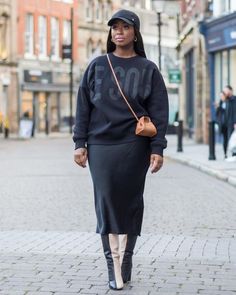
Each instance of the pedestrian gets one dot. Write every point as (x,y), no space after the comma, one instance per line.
(221,120)
(104,133)
(230,111)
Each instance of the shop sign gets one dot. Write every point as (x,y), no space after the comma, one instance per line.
(66,51)
(174,76)
(37,76)
(221,38)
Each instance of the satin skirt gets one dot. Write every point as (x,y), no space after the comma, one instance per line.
(118,173)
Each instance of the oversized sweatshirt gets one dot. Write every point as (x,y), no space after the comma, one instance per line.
(102,115)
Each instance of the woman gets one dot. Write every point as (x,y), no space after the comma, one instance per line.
(221,120)
(105,134)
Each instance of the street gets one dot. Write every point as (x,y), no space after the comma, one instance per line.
(48,243)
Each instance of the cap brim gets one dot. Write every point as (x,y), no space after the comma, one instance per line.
(111,21)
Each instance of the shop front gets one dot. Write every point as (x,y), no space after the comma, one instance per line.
(221,45)
(44,102)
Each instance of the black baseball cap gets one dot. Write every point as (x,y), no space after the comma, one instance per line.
(127,16)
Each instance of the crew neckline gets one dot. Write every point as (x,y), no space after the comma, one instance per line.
(131,57)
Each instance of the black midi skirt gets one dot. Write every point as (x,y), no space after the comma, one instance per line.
(118,173)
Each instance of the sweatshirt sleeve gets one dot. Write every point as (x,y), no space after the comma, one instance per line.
(82,116)
(158,110)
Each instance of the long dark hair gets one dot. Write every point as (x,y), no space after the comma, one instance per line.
(138,45)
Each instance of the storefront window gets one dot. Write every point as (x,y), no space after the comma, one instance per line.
(218,76)
(232,71)
(54,112)
(27,104)
(65,113)
(41,112)
(225,71)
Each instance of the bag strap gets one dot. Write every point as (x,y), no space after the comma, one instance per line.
(118,85)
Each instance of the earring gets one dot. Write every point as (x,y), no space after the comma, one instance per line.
(135,39)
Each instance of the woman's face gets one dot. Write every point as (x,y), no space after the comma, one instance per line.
(122,34)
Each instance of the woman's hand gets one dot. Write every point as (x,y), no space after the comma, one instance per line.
(81,156)
(156,162)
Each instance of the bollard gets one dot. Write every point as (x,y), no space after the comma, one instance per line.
(180,136)
(6,127)
(211,127)
(6,132)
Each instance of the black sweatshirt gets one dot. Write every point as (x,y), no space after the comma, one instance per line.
(102,115)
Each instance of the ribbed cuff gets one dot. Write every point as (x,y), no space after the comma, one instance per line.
(80,144)
(158,150)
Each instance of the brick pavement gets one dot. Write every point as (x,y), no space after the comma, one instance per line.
(47,239)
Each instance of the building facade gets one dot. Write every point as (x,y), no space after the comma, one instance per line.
(44,76)
(208,60)
(220,34)
(8,63)
(195,88)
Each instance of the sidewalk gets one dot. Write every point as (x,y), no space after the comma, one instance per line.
(196,155)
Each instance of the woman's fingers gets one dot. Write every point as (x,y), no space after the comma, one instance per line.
(156,162)
(80,157)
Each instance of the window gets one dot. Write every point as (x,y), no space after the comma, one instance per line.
(3,37)
(134,3)
(225,67)
(125,2)
(67,32)
(89,10)
(89,48)
(107,11)
(42,36)
(220,7)
(218,75)
(29,34)
(233,5)
(147,4)
(98,11)
(99,48)
(54,37)
(232,65)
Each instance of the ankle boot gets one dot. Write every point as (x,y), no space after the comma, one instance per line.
(111,251)
(127,244)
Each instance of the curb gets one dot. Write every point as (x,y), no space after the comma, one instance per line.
(215,173)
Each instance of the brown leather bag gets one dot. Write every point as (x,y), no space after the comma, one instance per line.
(144,126)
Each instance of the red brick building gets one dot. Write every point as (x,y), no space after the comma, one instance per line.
(43,27)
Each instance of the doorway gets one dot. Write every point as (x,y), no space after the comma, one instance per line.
(189,61)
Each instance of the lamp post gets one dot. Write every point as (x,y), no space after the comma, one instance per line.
(159,7)
(67,53)
(71,73)
(159,24)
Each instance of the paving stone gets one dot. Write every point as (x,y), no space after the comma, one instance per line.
(47,239)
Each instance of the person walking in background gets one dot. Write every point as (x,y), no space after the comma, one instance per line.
(104,133)
(221,120)
(230,111)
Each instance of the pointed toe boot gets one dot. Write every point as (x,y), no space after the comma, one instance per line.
(111,251)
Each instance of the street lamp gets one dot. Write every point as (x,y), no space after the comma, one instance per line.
(159,6)
(163,6)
